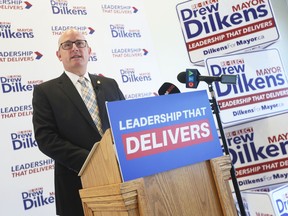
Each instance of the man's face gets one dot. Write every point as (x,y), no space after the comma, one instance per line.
(75,58)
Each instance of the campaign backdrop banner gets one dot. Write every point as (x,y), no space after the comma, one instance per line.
(120,38)
(213,28)
(261,90)
(161,133)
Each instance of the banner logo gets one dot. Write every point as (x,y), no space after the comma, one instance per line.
(129,75)
(151,142)
(58,30)
(118,9)
(261,89)
(93,57)
(129,52)
(14,84)
(63,7)
(213,28)
(33,167)
(163,133)
(19,56)
(252,158)
(7,32)
(16,111)
(138,95)
(23,140)
(15,5)
(36,198)
(282,203)
(121,31)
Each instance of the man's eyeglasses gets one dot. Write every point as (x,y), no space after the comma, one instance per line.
(67,45)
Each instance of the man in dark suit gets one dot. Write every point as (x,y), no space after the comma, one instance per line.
(64,129)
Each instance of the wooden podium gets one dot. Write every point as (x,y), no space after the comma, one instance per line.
(198,189)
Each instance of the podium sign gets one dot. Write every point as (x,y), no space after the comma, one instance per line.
(157,134)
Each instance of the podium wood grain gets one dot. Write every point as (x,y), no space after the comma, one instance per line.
(198,189)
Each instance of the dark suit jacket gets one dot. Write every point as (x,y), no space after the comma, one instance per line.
(65,131)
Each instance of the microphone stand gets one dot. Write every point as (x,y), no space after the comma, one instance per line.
(232,170)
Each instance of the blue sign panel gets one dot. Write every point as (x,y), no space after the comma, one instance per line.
(157,134)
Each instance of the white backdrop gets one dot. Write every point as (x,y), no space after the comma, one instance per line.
(29,31)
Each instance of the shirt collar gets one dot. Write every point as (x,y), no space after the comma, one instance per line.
(74,78)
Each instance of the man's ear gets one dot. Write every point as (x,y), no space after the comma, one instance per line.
(58,55)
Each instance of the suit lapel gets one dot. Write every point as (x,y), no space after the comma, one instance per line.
(70,91)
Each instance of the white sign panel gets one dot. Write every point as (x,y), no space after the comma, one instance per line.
(262,88)
(259,152)
(213,28)
(267,201)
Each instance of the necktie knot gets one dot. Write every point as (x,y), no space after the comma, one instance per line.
(82,81)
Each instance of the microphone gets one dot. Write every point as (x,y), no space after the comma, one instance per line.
(168,88)
(192,78)
(181,77)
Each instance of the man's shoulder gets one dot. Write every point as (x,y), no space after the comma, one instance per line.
(52,81)
(101,78)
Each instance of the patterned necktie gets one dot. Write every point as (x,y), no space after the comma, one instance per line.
(91,103)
